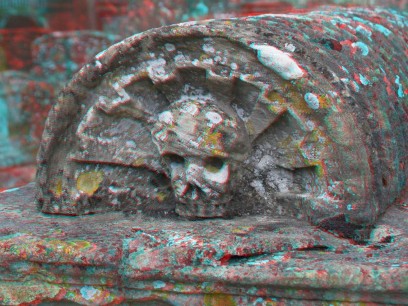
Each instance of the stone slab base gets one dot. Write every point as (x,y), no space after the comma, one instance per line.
(113,258)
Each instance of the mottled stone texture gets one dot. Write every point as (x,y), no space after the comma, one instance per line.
(59,55)
(277,115)
(11,119)
(109,259)
(26,97)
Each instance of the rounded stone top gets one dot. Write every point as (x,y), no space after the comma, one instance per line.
(271,115)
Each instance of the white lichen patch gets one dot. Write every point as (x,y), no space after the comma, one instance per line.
(187,24)
(214,118)
(208,48)
(312,100)
(362,47)
(170,47)
(279,61)
(156,69)
(166,117)
(220,177)
(131,144)
(116,190)
(310,125)
(333,94)
(193,143)
(288,16)
(208,61)
(190,93)
(191,109)
(126,79)
(181,58)
(100,54)
(218,59)
(123,96)
(290,47)
(88,292)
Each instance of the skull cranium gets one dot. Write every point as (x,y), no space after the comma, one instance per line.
(202,144)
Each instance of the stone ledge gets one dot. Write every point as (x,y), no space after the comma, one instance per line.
(114,258)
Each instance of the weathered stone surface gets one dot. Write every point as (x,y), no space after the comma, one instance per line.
(300,115)
(112,258)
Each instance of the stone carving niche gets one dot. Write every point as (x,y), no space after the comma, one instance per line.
(262,115)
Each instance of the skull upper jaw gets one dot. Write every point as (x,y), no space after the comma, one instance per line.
(203,208)
(201,190)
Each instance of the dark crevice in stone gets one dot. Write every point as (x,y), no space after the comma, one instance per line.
(240,259)
(314,248)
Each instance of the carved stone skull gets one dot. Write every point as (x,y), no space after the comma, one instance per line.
(202,144)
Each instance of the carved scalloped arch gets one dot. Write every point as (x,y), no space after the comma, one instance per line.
(286,94)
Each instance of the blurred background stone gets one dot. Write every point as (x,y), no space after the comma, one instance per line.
(112,259)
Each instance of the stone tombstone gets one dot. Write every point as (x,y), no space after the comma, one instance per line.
(12,83)
(37,98)
(12,119)
(139,16)
(27,103)
(59,55)
(300,115)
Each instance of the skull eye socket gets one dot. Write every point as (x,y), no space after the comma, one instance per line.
(214,164)
(174,159)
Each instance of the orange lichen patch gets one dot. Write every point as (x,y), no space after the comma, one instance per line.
(269,302)
(242,229)
(88,182)
(218,300)
(161,196)
(276,96)
(57,190)
(287,86)
(203,57)
(294,97)
(219,153)
(278,102)
(298,102)
(324,101)
(144,74)
(139,162)
(321,170)
(213,139)
(250,127)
